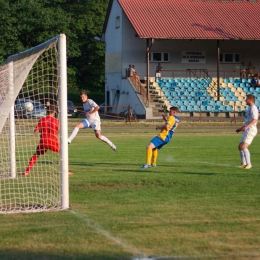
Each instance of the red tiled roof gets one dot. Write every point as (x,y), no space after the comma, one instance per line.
(191,19)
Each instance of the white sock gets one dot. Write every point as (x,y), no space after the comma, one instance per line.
(73,134)
(106,140)
(247,156)
(243,159)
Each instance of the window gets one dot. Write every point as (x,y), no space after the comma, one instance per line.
(159,57)
(117,21)
(230,57)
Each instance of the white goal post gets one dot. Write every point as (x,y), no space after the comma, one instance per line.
(39,76)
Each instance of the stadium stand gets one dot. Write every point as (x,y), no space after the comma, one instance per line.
(198,95)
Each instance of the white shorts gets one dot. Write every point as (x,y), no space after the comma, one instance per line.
(96,125)
(249,135)
(158,74)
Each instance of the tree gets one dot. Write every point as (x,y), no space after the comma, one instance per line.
(27,23)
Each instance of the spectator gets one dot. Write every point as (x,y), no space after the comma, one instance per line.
(250,70)
(158,70)
(255,82)
(242,70)
(133,72)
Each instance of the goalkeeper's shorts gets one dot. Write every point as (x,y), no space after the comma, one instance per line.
(48,144)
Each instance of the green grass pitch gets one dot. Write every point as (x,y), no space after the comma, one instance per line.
(197,204)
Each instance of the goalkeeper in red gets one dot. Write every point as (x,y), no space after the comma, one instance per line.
(164,137)
(49,129)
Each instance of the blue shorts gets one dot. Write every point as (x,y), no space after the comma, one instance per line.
(158,142)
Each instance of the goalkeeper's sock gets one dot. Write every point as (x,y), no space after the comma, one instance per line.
(149,153)
(73,134)
(32,161)
(154,156)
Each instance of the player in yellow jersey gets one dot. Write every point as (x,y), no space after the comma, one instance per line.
(164,137)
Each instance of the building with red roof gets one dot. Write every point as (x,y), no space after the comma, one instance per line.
(188,37)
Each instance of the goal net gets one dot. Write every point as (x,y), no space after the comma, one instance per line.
(38,76)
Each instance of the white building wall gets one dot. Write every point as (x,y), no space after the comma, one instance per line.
(124,48)
(119,89)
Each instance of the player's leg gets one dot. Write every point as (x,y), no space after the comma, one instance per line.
(40,150)
(83,124)
(97,130)
(149,153)
(154,156)
(104,139)
(246,140)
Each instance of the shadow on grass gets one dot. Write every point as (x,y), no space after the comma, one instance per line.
(29,255)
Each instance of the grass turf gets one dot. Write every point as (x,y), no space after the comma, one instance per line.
(197,204)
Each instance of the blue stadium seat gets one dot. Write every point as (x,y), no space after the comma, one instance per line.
(161,84)
(209,108)
(186,93)
(222,108)
(229,108)
(196,108)
(189,108)
(174,93)
(180,103)
(193,85)
(183,108)
(180,85)
(193,94)
(216,108)
(203,108)
(226,80)
(186,103)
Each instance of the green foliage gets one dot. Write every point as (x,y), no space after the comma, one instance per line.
(98,97)
(27,23)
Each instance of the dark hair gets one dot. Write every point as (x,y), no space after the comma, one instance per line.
(251,97)
(174,109)
(51,109)
(83,92)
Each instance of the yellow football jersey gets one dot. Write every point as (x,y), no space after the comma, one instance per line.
(170,123)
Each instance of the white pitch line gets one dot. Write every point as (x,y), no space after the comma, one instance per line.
(102,231)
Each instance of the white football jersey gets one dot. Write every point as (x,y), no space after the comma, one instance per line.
(88,107)
(251,113)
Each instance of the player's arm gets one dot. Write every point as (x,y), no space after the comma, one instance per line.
(166,126)
(164,118)
(36,130)
(96,108)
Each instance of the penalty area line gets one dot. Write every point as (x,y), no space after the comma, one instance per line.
(105,233)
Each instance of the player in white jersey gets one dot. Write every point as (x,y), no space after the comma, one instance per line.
(92,120)
(250,130)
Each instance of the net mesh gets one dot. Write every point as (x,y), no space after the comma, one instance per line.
(35,78)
